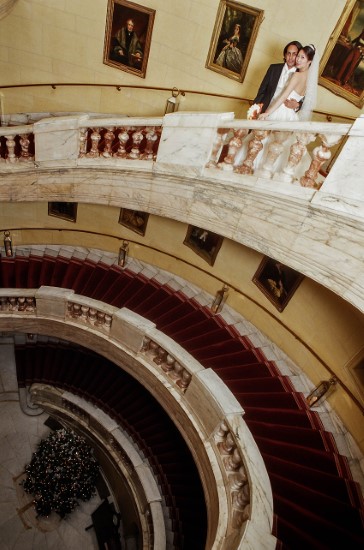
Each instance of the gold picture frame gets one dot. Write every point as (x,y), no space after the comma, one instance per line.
(342,65)
(135,220)
(204,243)
(233,38)
(277,281)
(127,45)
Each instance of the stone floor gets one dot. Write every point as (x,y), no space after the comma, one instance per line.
(19,435)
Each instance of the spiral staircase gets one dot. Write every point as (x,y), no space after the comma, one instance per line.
(317,504)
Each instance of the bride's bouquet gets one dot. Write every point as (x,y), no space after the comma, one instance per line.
(254,111)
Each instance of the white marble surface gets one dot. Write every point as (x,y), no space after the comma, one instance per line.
(187,156)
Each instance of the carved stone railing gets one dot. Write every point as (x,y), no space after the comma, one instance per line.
(17,301)
(17,146)
(90,312)
(134,139)
(251,148)
(237,488)
(169,364)
(195,179)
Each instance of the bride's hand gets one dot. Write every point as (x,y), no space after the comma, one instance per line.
(262,116)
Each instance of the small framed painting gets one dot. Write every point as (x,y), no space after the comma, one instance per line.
(277,281)
(342,65)
(233,38)
(128,35)
(64,210)
(134,220)
(205,243)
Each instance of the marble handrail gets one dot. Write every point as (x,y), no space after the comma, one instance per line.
(241,496)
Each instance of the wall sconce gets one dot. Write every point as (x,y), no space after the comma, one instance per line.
(123,254)
(219,299)
(318,393)
(8,245)
(174,101)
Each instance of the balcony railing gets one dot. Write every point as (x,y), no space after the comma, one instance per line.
(213,167)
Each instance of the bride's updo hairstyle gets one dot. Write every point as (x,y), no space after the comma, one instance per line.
(309,103)
(310,51)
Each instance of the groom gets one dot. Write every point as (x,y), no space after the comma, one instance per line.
(277,76)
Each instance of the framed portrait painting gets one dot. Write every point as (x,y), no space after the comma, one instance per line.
(134,220)
(233,38)
(342,65)
(128,35)
(277,281)
(204,243)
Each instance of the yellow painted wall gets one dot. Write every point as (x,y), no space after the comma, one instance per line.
(45,41)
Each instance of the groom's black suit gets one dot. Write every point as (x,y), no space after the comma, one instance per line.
(269,85)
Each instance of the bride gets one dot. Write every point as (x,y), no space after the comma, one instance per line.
(302,86)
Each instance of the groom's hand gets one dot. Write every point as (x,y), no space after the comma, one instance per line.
(292,104)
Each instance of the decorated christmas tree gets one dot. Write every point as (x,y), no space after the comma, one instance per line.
(62,471)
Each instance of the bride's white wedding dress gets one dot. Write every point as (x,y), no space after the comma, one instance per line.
(284,114)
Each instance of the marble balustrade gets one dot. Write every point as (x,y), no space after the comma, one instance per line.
(189,181)
(239,498)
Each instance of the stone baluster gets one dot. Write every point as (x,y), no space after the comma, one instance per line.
(84,313)
(151,136)
(24,144)
(241,507)
(107,321)
(275,149)
(92,312)
(221,432)
(95,139)
(10,144)
(21,303)
(238,479)
(109,138)
(227,446)
(76,310)
(100,319)
(176,373)
(30,304)
(321,154)
(137,138)
(254,147)
(217,146)
(83,142)
(168,366)
(13,304)
(123,138)
(160,357)
(3,303)
(296,153)
(233,462)
(234,145)
(184,381)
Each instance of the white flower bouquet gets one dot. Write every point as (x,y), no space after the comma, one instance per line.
(254,111)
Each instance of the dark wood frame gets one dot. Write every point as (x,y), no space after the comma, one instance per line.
(68,210)
(339,51)
(202,247)
(118,13)
(228,15)
(268,277)
(131,218)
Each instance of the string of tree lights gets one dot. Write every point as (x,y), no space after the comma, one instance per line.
(62,471)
